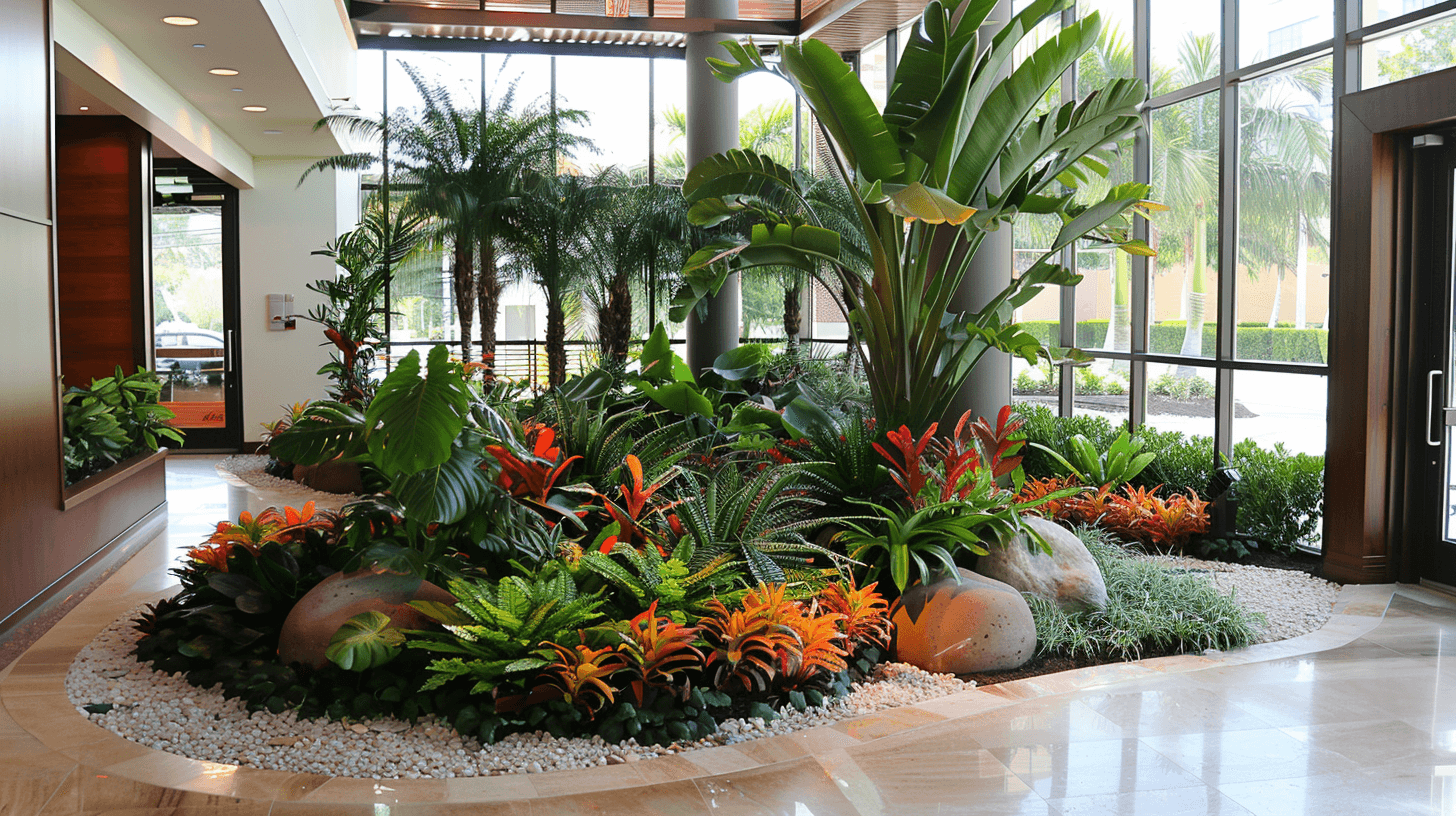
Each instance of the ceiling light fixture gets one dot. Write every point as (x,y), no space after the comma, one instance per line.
(272,132)
(254,108)
(83,107)
(179,20)
(199,45)
(237,90)
(223,71)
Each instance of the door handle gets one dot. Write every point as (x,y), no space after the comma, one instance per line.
(227,354)
(1431,405)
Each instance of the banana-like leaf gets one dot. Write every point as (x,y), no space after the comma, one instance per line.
(938,60)
(738,172)
(915,201)
(444,493)
(748,61)
(415,420)
(1118,200)
(844,108)
(679,397)
(1074,131)
(363,642)
(443,613)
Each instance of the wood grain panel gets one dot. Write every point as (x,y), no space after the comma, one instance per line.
(103,254)
(25,80)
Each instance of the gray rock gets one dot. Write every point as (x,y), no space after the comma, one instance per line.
(1068,577)
(976,625)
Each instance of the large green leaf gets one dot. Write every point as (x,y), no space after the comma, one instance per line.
(444,493)
(932,73)
(845,109)
(738,172)
(414,419)
(324,432)
(363,642)
(659,363)
(679,397)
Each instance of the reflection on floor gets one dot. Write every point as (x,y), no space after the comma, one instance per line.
(1365,727)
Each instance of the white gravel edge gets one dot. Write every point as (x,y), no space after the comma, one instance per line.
(248,468)
(1292,603)
(167,713)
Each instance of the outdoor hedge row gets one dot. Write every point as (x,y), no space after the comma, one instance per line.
(1254,341)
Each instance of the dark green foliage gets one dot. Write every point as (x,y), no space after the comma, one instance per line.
(1151,610)
(113,419)
(1253,341)
(1281,494)
(1044,428)
(680,584)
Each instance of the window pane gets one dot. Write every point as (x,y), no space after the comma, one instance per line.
(1269,28)
(766,116)
(528,76)
(1284,205)
(1101,389)
(1279,495)
(1112,55)
(1288,409)
(1104,297)
(613,92)
(1412,53)
(459,74)
(1180,398)
(1185,43)
(670,101)
(1183,286)
(1377,10)
(1034,385)
(872,71)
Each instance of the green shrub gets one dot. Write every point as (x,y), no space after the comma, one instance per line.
(112,419)
(1044,427)
(1281,494)
(1151,610)
(1181,388)
(1090,383)
(1253,341)
(1179,463)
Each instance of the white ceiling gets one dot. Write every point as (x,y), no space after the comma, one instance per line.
(237,34)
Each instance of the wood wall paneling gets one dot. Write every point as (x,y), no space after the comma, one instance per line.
(103,216)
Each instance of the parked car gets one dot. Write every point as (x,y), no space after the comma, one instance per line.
(185,347)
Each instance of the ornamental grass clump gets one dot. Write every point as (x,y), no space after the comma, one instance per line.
(1151,610)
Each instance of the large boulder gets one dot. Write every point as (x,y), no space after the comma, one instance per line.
(976,625)
(323,609)
(330,477)
(1068,577)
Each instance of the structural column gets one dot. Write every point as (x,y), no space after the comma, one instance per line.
(989,386)
(712,127)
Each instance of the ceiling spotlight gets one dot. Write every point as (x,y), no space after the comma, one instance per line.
(223,72)
(272,132)
(83,107)
(254,108)
(199,45)
(178,20)
(237,90)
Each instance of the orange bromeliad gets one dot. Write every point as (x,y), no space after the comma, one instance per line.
(535,479)
(287,527)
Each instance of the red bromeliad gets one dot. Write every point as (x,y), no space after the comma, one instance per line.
(909,473)
(533,479)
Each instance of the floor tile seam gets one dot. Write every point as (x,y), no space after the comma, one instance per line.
(75,771)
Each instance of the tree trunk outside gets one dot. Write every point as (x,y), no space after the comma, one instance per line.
(1278,298)
(489,292)
(1193,331)
(463,278)
(614,324)
(1119,327)
(555,343)
(793,314)
(1301,275)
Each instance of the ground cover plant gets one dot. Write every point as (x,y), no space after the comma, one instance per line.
(1151,611)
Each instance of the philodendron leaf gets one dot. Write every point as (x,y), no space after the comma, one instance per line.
(414,420)
(363,642)
(680,398)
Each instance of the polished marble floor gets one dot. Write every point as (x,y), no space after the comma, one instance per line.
(1355,719)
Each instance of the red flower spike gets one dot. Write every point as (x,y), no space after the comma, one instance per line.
(909,473)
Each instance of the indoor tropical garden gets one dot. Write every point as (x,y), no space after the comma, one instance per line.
(627,557)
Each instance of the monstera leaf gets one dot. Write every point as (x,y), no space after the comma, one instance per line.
(414,420)
(363,642)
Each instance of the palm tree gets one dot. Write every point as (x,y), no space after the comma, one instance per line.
(463,169)
(1284,178)
(642,227)
(553,220)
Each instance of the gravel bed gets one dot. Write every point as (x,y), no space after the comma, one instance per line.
(249,468)
(1293,603)
(167,713)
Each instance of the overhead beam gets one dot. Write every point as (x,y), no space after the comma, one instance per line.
(826,14)
(495,46)
(421,21)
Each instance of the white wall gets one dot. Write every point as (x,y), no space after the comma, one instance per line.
(281,223)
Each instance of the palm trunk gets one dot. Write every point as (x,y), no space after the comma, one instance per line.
(614,324)
(1278,298)
(555,342)
(489,293)
(1301,275)
(1193,331)
(463,278)
(793,314)
(1119,328)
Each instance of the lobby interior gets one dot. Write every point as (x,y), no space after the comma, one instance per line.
(104,99)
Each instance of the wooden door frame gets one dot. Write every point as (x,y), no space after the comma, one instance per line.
(1365,500)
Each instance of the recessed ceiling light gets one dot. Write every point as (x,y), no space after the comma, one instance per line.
(222,72)
(254,108)
(199,45)
(272,132)
(237,90)
(179,20)
(83,107)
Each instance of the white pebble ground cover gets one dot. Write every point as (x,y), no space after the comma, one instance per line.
(249,468)
(167,713)
(1293,603)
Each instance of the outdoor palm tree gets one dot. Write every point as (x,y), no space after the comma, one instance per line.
(553,222)
(463,169)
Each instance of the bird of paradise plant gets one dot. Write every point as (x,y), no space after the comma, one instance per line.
(958,152)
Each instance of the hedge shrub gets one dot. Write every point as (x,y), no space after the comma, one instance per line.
(1254,341)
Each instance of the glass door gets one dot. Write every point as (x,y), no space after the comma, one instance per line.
(194,304)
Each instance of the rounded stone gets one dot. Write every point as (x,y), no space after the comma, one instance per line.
(323,609)
(977,624)
(330,477)
(1068,577)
